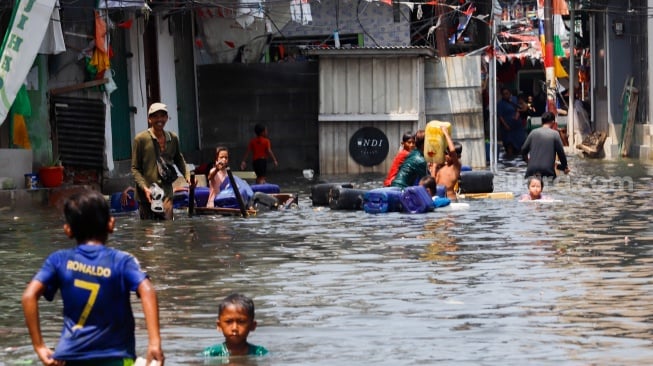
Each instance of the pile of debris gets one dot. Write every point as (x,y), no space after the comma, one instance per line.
(592,145)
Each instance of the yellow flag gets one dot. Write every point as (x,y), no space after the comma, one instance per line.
(560,71)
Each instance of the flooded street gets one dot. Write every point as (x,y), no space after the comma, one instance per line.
(499,283)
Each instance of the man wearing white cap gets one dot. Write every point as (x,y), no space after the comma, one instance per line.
(148,147)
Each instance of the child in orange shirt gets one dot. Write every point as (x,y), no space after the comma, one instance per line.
(260,148)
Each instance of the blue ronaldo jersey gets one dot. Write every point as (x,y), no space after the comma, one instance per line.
(95,283)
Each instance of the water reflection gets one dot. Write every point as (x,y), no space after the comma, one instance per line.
(503,282)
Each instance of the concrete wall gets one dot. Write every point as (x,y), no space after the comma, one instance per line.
(282,96)
(14,164)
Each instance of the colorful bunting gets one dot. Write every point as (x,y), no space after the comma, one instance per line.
(559,33)
(463,22)
(559,70)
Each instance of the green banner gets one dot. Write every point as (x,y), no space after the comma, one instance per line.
(22,41)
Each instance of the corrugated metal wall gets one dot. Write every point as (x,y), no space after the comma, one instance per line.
(453,94)
(370,88)
(382,92)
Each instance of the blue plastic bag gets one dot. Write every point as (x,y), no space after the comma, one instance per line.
(227,198)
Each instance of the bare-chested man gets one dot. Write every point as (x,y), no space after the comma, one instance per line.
(448,174)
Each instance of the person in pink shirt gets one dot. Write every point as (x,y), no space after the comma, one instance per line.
(218,174)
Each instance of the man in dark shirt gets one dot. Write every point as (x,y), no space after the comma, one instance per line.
(540,149)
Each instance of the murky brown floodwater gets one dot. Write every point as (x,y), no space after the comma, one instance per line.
(501,282)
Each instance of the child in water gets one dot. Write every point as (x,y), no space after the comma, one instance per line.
(95,282)
(218,174)
(235,321)
(428,182)
(535,186)
(448,174)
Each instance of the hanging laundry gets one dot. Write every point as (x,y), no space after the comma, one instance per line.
(300,12)
(560,7)
(53,42)
(20,111)
(248,11)
(100,32)
(100,61)
(104,4)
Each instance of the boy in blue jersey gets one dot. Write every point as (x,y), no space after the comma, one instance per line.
(235,321)
(95,283)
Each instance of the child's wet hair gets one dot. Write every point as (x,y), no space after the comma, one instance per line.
(87,213)
(240,301)
(258,129)
(220,148)
(535,177)
(458,148)
(428,182)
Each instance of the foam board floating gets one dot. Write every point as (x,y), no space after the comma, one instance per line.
(490,195)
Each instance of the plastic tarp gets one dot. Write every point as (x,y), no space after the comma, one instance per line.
(106,4)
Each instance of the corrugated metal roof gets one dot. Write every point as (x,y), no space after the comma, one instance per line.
(386,51)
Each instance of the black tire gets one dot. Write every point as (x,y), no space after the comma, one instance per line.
(476,181)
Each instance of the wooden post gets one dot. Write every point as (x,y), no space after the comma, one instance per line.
(191,194)
(630,112)
(551,84)
(239,198)
(441,31)
(571,113)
